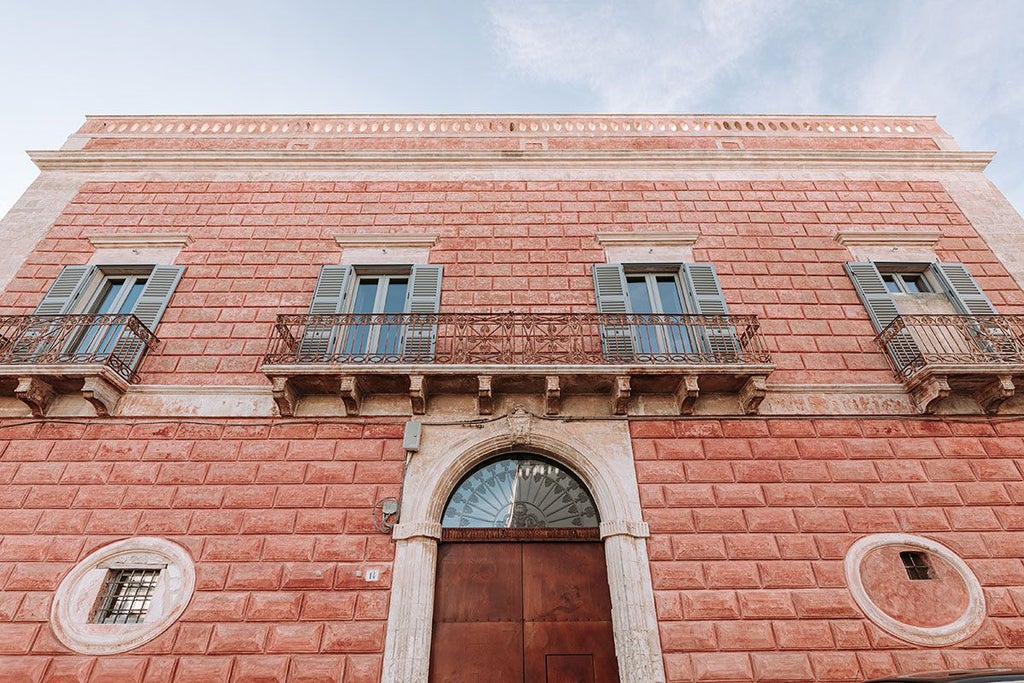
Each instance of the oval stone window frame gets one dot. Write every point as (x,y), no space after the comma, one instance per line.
(525,497)
(76,598)
(938,636)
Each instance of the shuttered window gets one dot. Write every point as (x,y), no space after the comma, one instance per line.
(658,303)
(373,330)
(144,292)
(876,283)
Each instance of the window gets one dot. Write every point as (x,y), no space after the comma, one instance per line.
(126,596)
(676,313)
(100,290)
(122,595)
(906,283)
(373,313)
(916,564)
(375,295)
(945,314)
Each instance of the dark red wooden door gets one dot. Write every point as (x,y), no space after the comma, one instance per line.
(521,612)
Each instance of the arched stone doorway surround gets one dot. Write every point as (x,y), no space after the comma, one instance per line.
(600,453)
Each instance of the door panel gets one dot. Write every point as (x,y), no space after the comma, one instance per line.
(570,669)
(522,612)
(593,639)
(487,652)
(565,582)
(477,586)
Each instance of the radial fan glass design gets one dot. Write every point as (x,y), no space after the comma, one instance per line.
(520,493)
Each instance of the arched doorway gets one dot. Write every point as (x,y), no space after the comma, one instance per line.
(521,591)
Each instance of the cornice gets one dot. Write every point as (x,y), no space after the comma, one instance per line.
(141,241)
(390,240)
(643,239)
(246,160)
(888,238)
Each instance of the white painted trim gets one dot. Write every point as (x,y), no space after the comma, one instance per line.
(963,627)
(642,239)
(888,238)
(550,160)
(178,240)
(76,596)
(386,240)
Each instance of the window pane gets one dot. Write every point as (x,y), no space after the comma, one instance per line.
(390,337)
(110,291)
(639,297)
(366,292)
(395,299)
(128,305)
(520,493)
(890,283)
(668,292)
(915,284)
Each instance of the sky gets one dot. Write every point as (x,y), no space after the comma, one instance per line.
(961,61)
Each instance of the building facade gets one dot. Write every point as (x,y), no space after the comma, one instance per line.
(481,398)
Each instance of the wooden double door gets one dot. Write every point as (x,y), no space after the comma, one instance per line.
(522,612)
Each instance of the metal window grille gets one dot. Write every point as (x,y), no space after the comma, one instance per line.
(126,596)
(916,564)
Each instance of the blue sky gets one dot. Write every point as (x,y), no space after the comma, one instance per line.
(962,61)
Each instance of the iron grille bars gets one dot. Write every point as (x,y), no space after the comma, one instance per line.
(517,339)
(912,342)
(126,596)
(118,341)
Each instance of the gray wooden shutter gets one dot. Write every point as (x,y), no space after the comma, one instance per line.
(882,310)
(423,300)
(317,340)
(613,299)
(38,338)
(962,289)
(65,290)
(704,297)
(156,294)
(149,308)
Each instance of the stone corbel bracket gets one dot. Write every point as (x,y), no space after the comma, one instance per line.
(929,391)
(752,393)
(621,392)
(687,394)
(285,395)
(102,395)
(351,394)
(418,394)
(36,393)
(552,395)
(993,394)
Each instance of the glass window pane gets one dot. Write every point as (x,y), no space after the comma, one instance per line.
(366,292)
(394,301)
(890,283)
(915,284)
(520,493)
(668,292)
(111,289)
(128,305)
(639,296)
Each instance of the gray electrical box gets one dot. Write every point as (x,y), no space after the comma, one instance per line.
(411,439)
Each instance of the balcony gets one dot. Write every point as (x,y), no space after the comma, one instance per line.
(676,358)
(93,356)
(938,356)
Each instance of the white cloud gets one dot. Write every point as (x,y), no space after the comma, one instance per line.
(960,61)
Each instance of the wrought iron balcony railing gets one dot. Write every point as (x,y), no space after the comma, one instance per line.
(914,342)
(517,339)
(116,341)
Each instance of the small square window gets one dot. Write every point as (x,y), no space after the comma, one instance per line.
(126,596)
(916,564)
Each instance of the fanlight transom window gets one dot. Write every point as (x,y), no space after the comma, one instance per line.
(520,492)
